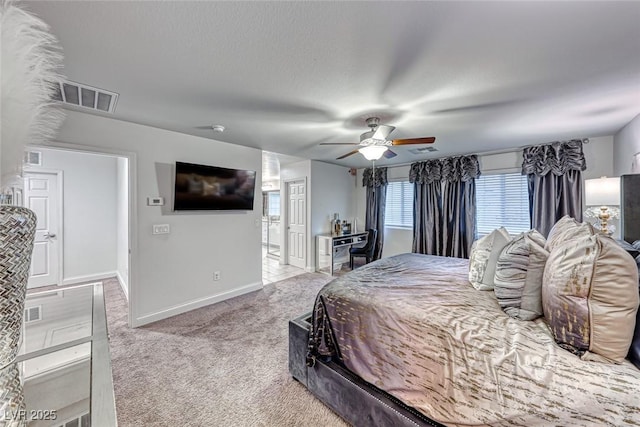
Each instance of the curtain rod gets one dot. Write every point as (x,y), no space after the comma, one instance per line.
(482,153)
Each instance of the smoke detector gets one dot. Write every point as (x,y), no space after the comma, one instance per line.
(218,128)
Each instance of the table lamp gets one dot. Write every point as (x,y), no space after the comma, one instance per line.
(603,195)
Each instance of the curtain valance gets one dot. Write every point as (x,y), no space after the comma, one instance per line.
(463,168)
(557,158)
(426,172)
(380,178)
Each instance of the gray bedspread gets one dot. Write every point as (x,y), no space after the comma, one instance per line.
(413,326)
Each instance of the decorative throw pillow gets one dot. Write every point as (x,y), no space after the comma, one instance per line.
(484,256)
(567,228)
(634,349)
(590,297)
(518,279)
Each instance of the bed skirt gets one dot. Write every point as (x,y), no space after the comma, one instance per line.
(356,401)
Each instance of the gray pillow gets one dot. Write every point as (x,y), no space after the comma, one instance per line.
(519,272)
(590,297)
(484,256)
(634,349)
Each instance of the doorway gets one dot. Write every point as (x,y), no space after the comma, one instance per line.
(274,258)
(82,200)
(271,222)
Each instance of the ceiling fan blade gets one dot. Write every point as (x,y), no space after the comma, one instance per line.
(347,155)
(389,154)
(382,132)
(410,141)
(339,143)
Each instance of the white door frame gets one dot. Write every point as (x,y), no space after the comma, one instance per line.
(60,237)
(284,213)
(133,210)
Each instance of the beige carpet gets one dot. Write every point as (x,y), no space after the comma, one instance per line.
(222,365)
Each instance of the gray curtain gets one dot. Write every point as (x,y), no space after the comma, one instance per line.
(427,207)
(459,218)
(554,174)
(376,183)
(459,205)
(445,205)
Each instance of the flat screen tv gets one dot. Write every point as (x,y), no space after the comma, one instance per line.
(201,187)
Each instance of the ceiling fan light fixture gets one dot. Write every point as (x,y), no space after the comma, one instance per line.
(373,152)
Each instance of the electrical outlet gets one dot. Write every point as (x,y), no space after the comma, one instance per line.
(216,275)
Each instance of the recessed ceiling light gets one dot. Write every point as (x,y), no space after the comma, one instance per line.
(217,128)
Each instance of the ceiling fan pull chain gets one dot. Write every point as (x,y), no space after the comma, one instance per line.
(373,175)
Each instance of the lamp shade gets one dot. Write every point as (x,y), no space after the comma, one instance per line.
(373,152)
(602,192)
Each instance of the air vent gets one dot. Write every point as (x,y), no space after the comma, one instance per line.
(81,95)
(423,150)
(33,158)
(32,314)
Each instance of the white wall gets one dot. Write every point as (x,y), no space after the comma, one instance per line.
(626,145)
(271,185)
(598,156)
(89,225)
(330,189)
(174,272)
(122,223)
(332,192)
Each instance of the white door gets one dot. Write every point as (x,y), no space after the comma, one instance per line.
(41,196)
(296,222)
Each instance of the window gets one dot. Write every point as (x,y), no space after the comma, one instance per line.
(274,203)
(399,208)
(271,204)
(502,201)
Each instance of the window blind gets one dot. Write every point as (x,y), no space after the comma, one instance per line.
(399,207)
(502,201)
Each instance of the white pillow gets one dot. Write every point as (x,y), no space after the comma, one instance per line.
(484,257)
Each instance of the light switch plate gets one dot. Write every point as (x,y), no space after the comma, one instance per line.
(155,201)
(161,229)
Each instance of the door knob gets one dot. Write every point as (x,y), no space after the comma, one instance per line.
(48,236)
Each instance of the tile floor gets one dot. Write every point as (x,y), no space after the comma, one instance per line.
(272,271)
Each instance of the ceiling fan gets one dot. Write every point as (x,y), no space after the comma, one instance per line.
(374,143)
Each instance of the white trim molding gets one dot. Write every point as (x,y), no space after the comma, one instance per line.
(88,278)
(192,305)
(123,285)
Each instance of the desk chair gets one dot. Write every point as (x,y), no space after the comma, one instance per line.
(365,251)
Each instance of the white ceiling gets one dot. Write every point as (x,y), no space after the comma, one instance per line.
(285,76)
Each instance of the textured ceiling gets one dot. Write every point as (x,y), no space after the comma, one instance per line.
(285,76)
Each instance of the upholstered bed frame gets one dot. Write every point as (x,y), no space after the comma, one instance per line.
(356,401)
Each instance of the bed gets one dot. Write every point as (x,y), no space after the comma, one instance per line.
(407,340)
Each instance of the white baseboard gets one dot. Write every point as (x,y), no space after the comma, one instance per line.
(88,278)
(310,269)
(192,305)
(123,285)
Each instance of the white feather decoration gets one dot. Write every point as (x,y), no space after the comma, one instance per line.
(30,60)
